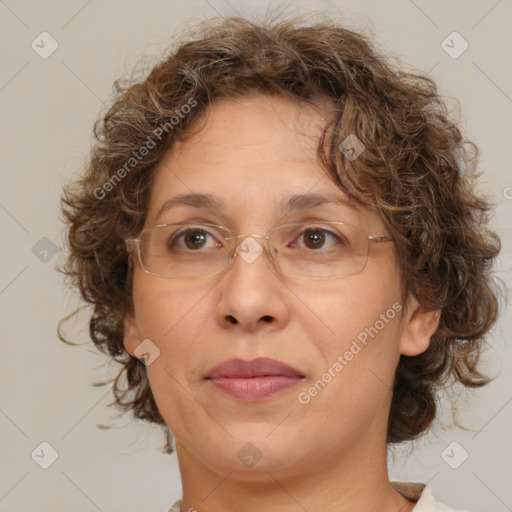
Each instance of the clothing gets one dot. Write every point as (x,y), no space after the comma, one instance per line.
(422,495)
(419,493)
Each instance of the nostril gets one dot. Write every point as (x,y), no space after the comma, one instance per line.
(267,318)
(232,319)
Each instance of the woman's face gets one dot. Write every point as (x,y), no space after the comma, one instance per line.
(345,335)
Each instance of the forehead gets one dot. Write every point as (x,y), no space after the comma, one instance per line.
(253,157)
(272,129)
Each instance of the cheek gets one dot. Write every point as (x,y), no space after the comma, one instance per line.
(358,351)
(161,306)
(173,316)
(355,307)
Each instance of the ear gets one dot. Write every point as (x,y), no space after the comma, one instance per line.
(419,326)
(131,333)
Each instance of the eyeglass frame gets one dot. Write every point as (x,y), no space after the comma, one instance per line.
(133,243)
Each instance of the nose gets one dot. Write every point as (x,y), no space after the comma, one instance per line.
(252,293)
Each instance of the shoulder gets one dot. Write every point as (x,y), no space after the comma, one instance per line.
(422,494)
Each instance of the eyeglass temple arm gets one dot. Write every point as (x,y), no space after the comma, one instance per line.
(377,239)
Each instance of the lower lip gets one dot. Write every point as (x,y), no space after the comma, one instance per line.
(254,388)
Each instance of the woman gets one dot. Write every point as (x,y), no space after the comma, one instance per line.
(283,248)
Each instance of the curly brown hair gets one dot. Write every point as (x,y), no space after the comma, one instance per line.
(417,172)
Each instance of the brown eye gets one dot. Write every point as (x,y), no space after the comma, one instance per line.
(315,238)
(195,239)
(192,239)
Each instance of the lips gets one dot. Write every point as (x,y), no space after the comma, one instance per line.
(260,367)
(253,380)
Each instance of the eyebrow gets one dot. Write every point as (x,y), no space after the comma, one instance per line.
(286,205)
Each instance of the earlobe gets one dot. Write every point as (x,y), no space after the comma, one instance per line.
(131,338)
(419,327)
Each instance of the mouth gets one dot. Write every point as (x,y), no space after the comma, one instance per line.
(253,380)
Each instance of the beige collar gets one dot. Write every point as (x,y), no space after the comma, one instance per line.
(411,491)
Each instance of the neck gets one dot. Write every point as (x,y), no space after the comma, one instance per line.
(345,480)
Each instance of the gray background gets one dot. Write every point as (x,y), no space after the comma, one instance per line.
(48,107)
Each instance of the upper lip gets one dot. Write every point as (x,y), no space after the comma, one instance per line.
(260,367)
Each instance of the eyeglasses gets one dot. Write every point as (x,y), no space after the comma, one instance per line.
(312,250)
